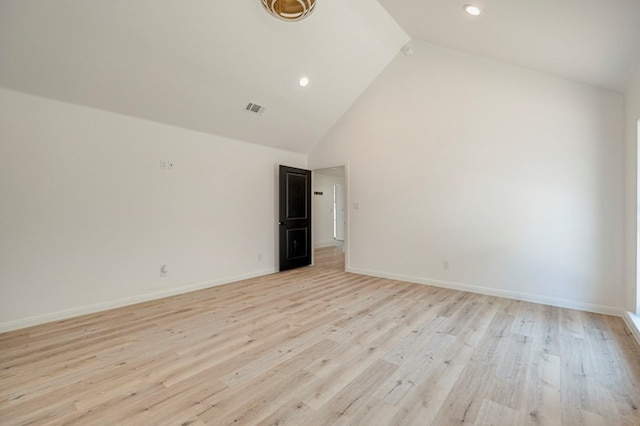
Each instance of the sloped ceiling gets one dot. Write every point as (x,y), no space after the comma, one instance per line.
(592,41)
(196,64)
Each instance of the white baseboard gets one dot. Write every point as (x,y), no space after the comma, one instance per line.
(98,307)
(322,244)
(525,297)
(633,323)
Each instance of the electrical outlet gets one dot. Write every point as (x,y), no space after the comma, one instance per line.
(445,264)
(259,257)
(164,270)
(163,164)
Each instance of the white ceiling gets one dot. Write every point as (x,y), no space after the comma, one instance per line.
(197,63)
(592,41)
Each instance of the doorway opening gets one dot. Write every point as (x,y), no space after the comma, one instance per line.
(330,216)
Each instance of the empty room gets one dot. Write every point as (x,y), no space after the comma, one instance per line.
(319,212)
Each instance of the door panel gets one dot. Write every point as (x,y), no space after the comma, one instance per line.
(296,196)
(295,243)
(295,217)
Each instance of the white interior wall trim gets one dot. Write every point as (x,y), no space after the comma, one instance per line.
(127,301)
(325,243)
(633,324)
(524,297)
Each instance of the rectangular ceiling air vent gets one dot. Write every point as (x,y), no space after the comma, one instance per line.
(255,108)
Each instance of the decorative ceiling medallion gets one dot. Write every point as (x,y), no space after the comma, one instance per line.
(289,10)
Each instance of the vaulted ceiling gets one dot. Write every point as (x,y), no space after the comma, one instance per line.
(592,41)
(197,64)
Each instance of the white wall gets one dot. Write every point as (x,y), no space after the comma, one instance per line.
(632,108)
(87,216)
(514,177)
(323,208)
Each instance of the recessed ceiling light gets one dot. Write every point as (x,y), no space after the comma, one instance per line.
(303,82)
(472,10)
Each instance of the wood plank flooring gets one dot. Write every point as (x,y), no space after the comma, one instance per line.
(318,346)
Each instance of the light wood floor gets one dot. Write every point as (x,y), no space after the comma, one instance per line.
(318,346)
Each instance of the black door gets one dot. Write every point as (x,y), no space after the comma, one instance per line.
(295,218)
